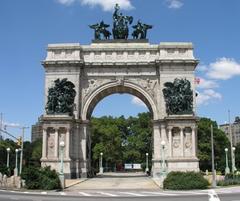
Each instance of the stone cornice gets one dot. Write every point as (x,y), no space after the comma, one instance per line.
(187,61)
(114,64)
(60,63)
(128,52)
(80,63)
(181,117)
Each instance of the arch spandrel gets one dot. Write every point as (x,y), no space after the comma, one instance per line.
(110,88)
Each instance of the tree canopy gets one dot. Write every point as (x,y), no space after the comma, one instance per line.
(204,144)
(121,140)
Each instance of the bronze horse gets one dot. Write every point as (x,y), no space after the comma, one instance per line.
(140,31)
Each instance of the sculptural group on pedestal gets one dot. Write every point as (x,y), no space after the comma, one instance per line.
(178,97)
(120,27)
(61,97)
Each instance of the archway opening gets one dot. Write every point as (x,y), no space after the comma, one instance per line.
(120,131)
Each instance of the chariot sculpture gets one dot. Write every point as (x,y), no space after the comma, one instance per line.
(120,28)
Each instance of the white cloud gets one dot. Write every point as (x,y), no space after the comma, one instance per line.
(106,5)
(174,4)
(66,2)
(207,84)
(202,68)
(224,69)
(137,101)
(207,95)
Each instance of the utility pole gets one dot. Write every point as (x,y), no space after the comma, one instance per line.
(231,140)
(213,168)
(21,156)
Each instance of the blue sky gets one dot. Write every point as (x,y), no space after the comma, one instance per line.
(27,27)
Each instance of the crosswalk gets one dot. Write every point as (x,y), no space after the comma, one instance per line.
(130,193)
(109,193)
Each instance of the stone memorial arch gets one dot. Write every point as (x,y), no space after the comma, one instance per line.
(149,71)
(78,76)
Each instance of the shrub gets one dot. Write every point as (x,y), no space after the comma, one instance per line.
(230,179)
(41,178)
(5,170)
(31,176)
(185,181)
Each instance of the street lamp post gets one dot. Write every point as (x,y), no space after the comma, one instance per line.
(213,168)
(61,174)
(233,160)
(231,141)
(8,150)
(16,164)
(163,158)
(227,171)
(147,169)
(100,164)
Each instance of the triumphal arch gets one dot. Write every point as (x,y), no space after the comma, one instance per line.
(78,76)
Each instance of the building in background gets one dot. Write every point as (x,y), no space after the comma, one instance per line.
(235,128)
(37,130)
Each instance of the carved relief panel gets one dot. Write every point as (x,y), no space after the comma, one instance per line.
(176,142)
(89,85)
(50,142)
(150,85)
(187,142)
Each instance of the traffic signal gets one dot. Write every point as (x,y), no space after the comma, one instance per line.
(19,141)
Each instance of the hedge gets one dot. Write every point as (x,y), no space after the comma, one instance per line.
(185,181)
(41,178)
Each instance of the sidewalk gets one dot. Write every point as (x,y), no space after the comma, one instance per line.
(116,181)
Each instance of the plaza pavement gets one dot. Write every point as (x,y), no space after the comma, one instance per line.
(123,185)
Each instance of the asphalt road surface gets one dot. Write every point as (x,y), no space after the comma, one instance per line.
(114,196)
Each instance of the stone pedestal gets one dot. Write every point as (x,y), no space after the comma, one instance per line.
(57,128)
(74,133)
(182,135)
(179,134)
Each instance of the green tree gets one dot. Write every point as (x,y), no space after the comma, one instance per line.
(204,144)
(4,144)
(237,156)
(106,138)
(32,153)
(139,138)
(121,140)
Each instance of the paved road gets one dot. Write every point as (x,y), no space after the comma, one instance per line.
(224,195)
(114,187)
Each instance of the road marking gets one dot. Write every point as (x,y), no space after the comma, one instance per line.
(160,193)
(26,192)
(108,194)
(62,193)
(84,194)
(213,195)
(43,193)
(134,194)
(196,193)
